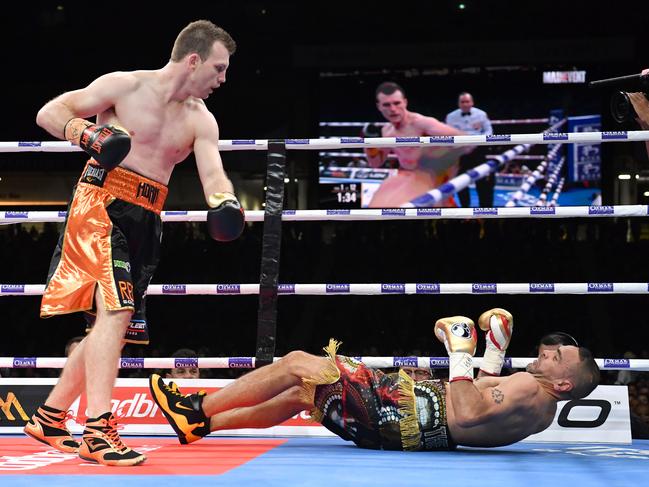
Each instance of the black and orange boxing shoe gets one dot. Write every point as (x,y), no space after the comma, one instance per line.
(47,425)
(184,412)
(101,444)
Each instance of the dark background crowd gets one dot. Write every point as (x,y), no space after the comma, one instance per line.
(275,88)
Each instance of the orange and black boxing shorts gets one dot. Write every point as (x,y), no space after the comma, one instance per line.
(111,242)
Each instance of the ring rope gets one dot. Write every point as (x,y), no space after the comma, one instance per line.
(528,183)
(379,142)
(458,183)
(552,179)
(374,289)
(250,362)
(9,217)
(511,121)
(557,192)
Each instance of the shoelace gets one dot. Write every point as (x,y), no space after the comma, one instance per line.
(59,422)
(110,430)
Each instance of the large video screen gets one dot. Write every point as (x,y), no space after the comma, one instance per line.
(478,101)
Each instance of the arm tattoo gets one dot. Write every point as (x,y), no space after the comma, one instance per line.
(497,395)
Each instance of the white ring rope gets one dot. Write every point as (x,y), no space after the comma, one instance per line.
(510,121)
(543,197)
(528,183)
(458,183)
(557,192)
(373,289)
(379,142)
(249,362)
(10,217)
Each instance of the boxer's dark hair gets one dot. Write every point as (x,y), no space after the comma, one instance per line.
(558,338)
(586,376)
(389,87)
(198,37)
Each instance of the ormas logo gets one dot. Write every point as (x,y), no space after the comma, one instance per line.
(404,361)
(393,288)
(174,289)
(604,411)
(541,287)
(610,363)
(600,287)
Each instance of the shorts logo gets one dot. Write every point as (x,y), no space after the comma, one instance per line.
(120,264)
(126,292)
(461,330)
(94,175)
(148,192)
(617,363)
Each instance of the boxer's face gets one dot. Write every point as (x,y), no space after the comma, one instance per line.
(417,373)
(184,373)
(392,107)
(555,364)
(208,75)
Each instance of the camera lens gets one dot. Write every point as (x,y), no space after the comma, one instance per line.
(621,107)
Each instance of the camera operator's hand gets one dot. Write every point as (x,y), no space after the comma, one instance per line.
(641,107)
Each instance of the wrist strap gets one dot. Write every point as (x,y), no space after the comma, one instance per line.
(460,366)
(493,360)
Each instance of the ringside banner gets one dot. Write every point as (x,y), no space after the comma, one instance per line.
(602,417)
